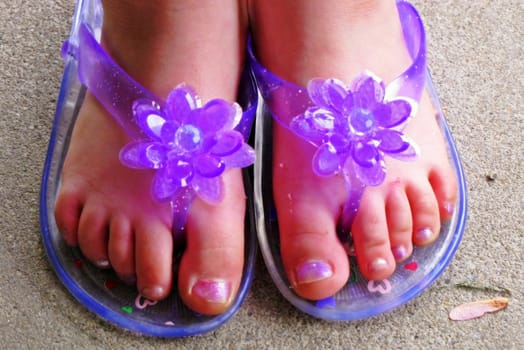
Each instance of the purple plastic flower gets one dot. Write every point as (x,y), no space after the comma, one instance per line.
(355,128)
(189,145)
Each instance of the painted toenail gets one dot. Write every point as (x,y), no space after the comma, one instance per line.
(378,265)
(154,293)
(212,291)
(449,208)
(400,253)
(424,235)
(103,264)
(313,271)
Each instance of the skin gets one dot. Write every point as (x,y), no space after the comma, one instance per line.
(106,209)
(341,39)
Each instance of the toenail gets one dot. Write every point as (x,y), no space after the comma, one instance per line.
(212,291)
(313,271)
(449,208)
(103,264)
(155,293)
(378,265)
(424,235)
(400,253)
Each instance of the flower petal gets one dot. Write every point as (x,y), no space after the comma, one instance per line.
(391,141)
(326,161)
(368,164)
(180,171)
(330,93)
(313,125)
(218,115)
(180,102)
(163,187)
(409,151)
(209,166)
(477,309)
(209,189)
(227,143)
(149,117)
(242,158)
(394,113)
(368,91)
(143,155)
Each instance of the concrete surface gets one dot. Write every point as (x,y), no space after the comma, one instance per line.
(476,54)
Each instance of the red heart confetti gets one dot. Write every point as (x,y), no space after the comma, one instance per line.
(78,263)
(110,284)
(412,266)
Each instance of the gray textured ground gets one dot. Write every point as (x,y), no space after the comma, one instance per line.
(476,54)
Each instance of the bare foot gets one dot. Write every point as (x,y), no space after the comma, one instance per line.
(106,209)
(340,39)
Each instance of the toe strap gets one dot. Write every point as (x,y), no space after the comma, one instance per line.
(353,127)
(188,144)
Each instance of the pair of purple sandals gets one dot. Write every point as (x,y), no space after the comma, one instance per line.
(190,145)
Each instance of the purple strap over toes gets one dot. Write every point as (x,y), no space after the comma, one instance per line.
(353,128)
(190,145)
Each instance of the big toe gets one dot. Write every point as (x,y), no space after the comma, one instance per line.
(211,267)
(316,263)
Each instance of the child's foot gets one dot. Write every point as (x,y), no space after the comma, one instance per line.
(106,209)
(340,39)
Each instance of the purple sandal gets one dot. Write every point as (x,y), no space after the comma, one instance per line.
(353,128)
(188,144)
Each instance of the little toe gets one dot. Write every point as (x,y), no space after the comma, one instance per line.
(121,249)
(399,222)
(371,237)
(153,258)
(445,190)
(93,230)
(68,210)
(425,211)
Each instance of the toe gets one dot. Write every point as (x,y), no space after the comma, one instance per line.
(425,212)
(211,267)
(68,209)
(446,190)
(399,222)
(121,249)
(153,258)
(93,232)
(371,238)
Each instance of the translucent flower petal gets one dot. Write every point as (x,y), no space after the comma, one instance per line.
(309,128)
(149,117)
(368,92)
(209,166)
(179,171)
(143,155)
(409,154)
(394,113)
(368,164)
(227,143)
(242,158)
(180,102)
(163,188)
(218,115)
(211,190)
(329,93)
(391,141)
(326,161)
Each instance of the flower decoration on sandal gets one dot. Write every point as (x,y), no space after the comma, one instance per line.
(355,128)
(189,145)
